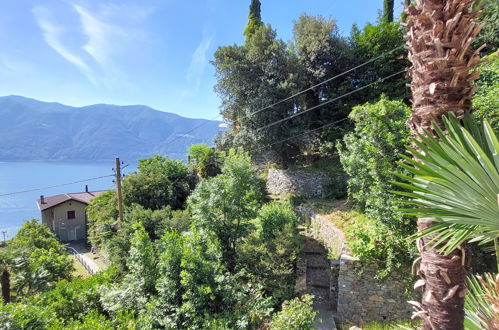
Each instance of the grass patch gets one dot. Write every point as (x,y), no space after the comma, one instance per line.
(79,270)
(340,212)
(387,325)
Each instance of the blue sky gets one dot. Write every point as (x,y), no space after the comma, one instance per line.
(151,52)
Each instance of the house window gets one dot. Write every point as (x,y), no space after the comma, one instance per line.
(71,215)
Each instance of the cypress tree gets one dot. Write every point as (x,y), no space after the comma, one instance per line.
(255,18)
(388,11)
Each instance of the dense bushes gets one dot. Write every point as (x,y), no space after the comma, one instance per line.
(112,237)
(38,260)
(225,204)
(486,100)
(268,255)
(205,160)
(296,314)
(227,262)
(371,241)
(369,155)
(159,182)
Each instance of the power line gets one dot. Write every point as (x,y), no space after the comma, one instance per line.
(326,81)
(303,133)
(55,186)
(207,121)
(327,102)
(294,95)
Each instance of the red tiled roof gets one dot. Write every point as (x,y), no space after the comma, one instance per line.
(82,197)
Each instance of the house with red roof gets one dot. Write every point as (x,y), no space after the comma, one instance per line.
(65,214)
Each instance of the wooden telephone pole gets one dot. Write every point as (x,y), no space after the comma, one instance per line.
(118,186)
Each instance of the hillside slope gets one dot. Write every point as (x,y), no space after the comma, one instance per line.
(35,130)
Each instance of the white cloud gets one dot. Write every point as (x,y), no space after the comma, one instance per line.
(107,30)
(199,60)
(101,36)
(53,33)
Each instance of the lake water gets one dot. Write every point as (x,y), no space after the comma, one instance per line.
(19,176)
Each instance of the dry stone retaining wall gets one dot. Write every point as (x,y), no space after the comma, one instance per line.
(305,183)
(362,298)
(355,294)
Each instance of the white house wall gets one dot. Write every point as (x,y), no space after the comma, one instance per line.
(56,218)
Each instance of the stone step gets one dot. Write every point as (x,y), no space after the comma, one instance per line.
(309,253)
(320,286)
(317,267)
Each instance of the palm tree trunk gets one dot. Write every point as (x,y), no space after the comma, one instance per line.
(439,38)
(5,280)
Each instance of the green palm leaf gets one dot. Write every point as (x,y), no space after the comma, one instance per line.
(455,183)
(478,306)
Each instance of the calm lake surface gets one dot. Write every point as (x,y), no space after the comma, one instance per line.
(18,176)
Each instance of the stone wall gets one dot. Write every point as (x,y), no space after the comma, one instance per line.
(355,294)
(308,184)
(362,298)
(321,229)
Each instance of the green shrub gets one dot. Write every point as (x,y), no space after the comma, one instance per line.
(159,182)
(369,155)
(486,99)
(224,206)
(39,259)
(72,299)
(206,161)
(113,237)
(371,241)
(268,256)
(296,314)
(24,316)
(273,217)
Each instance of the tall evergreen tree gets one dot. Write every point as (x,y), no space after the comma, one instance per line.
(388,11)
(255,18)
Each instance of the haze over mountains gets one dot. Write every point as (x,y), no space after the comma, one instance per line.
(34,130)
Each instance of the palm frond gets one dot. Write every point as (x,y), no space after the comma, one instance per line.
(481,303)
(455,183)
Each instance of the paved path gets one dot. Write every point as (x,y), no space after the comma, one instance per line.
(318,283)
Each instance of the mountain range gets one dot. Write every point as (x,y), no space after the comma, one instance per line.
(33,130)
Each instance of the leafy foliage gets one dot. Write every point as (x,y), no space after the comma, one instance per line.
(206,160)
(159,182)
(225,204)
(482,301)
(296,314)
(490,19)
(368,155)
(251,77)
(485,101)
(371,241)
(107,233)
(456,184)
(255,19)
(72,299)
(268,256)
(39,259)
(138,283)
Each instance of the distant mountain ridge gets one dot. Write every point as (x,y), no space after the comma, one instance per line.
(34,130)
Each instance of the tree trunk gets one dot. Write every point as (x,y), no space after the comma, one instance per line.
(444,285)
(439,38)
(5,280)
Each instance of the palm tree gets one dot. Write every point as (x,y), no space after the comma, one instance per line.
(5,264)
(455,186)
(439,37)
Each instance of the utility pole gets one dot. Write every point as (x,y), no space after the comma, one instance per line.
(118,185)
